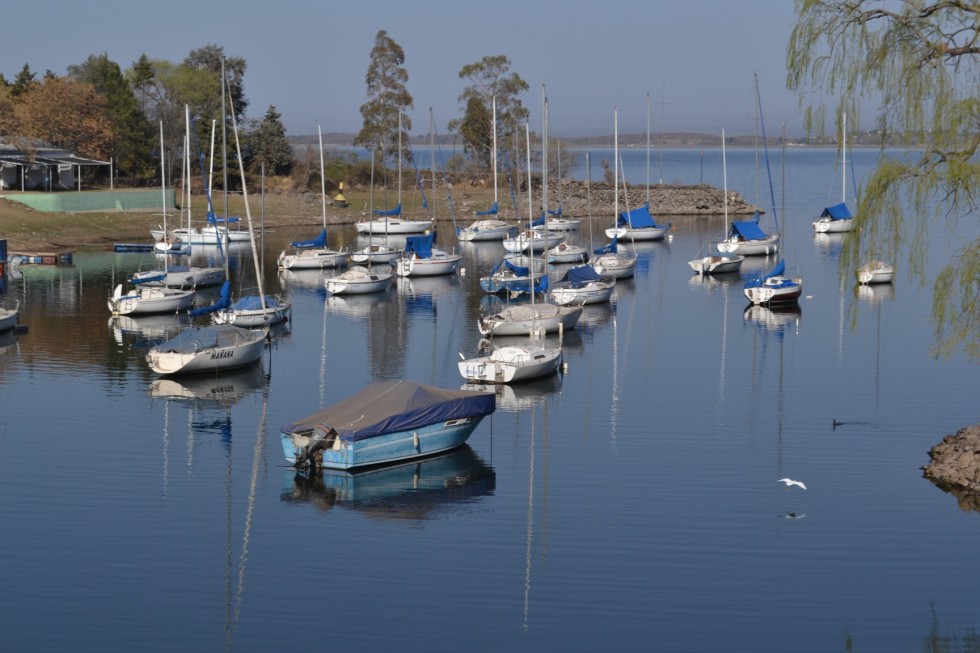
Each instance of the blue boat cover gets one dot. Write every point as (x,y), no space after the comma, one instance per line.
(393,407)
(756,280)
(213,219)
(747,230)
(319,241)
(555,212)
(610,248)
(539,222)
(420,245)
(254,303)
(224,299)
(638,218)
(837,212)
(491,211)
(581,275)
(395,211)
(156,278)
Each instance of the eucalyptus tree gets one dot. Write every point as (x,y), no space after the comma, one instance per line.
(388,99)
(920,59)
(490,79)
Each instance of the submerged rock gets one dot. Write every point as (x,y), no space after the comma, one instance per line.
(955,466)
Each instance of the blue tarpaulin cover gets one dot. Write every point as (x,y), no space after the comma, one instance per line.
(395,406)
(638,218)
(395,211)
(254,303)
(747,230)
(539,222)
(319,241)
(224,299)
(491,211)
(756,280)
(420,245)
(837,212)
(610,248)
(581,275)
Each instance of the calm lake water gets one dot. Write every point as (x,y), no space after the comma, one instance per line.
(630,504)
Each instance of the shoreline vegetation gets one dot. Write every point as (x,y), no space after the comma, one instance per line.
(30,231)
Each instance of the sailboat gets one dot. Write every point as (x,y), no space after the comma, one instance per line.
(373,252)
(556,220)
(510,364)
(314,254)
(638,224)
(152,299)
(608,260)
(875,272)
(533,318)
(421,258)
(719,262)
(358,280)
(582,285)
(487,228)
(746,237)
(390,221)
(217,347)
(535,238)
(837,218)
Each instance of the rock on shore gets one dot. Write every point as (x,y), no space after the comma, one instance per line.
(955,466)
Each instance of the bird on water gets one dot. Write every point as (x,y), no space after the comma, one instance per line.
(789,482)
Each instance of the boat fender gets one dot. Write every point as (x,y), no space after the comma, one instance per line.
(415,439)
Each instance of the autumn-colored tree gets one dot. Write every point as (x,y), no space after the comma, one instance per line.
(68,114)
(388,98)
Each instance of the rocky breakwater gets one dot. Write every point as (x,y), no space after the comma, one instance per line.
(955,466)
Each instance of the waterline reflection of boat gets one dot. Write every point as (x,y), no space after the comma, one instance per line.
(214,390)
(413,491)
(520,396)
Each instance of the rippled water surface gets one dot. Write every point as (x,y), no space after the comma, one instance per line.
(629,504)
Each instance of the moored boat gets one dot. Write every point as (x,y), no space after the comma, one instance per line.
(207,349)
(383,423)
(875,272)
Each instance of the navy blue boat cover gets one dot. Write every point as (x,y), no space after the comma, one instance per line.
(638,218)
(394,406)
(747,230)
(539,222)
(319,241)
(837,212)
(254,303)
(224,299)
(420,245)
(610,248)
(395,211)
(581,275)
(213,219)
(491,211)
(756,280)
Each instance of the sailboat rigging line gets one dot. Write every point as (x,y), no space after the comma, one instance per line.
(445,179)
(765,150)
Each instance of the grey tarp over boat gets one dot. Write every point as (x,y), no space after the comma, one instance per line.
(194,339)
(393,406)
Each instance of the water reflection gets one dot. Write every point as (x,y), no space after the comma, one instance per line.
(8,341)
(208,391)
(518,397)
(829,245)
(144,331)
(414,491)
(775,319)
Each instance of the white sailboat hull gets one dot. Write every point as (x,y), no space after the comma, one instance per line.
(830,226)
(439,263)
(717,264)
(511,364)
(640,234)
(207,349)
(524,319)
(776,290)
(593,292)
(312,259)
(8,316)
(875,272)
(390,226)
(483,230)
(359,281)
(150,299)
(760,247)
(614,265)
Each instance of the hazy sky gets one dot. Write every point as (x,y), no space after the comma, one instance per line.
(308,59)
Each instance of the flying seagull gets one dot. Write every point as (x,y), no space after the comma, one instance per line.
(789,481)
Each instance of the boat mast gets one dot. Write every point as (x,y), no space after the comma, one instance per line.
(544,163)
(648,150)
(843,157)
(323,180)
(493,104)
(163,192)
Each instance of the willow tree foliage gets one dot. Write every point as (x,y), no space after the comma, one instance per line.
(388,97)
(489,78)
(919,58)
